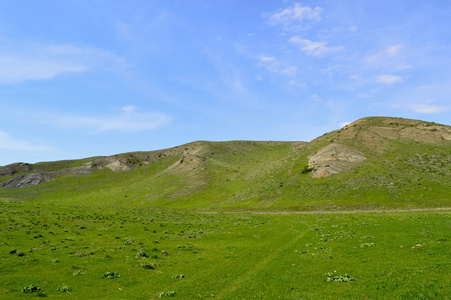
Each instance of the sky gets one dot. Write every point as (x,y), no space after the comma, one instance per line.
(82,78)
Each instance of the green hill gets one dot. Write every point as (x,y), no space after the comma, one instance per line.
(373,163)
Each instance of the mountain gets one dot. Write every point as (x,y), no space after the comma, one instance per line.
(373,163)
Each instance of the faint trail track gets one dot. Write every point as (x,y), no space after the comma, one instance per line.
(328,211)
(239,281)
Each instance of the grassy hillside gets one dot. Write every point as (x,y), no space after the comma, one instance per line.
(408,164)
(130,226)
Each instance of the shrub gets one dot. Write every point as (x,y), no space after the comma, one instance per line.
(34,289)
(148,266)
(166,294)
(339,278)
(178,276)
(31,289)
(64,288)
(111,275)
(141,253)
(79,272)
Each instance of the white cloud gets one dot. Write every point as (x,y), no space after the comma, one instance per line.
(289,71)
(428,108)
(273,65)
(315,98)
(129,120)
(389,79)
(334,68)
(389,52)
(295,14)
(17,69)
(9,143)
(22,61)
(129,108)
(265,59)
(297,84)
(393,50)
(313,48)
(343,124)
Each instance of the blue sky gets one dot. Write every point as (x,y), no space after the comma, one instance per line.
(81,78)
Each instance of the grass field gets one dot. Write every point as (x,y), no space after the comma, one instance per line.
(93,232)
(94,252)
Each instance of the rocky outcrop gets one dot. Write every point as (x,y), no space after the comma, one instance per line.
(333,159)
(12,169)
(23,181)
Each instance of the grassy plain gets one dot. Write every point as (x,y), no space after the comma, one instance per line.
(75,252)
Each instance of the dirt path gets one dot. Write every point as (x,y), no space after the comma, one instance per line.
(328,211)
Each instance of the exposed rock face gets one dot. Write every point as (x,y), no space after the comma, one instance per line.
(23,181)
(333,159)
(83,169)
(115,164)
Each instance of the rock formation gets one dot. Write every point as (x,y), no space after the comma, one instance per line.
(333,159)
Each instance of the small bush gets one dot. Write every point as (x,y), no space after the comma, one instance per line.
(34,289)
(79,272)
(64,288)
(166,294)
(178,276)
(339,278)
(141,253)
(148,266)
(111,275)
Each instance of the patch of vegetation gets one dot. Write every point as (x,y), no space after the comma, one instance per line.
(111,275)
(330,277)
(64,288)
(33,289)
(166,294)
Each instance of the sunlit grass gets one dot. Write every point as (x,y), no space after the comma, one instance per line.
(101,252)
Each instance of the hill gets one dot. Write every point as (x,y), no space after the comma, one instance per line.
(373,163)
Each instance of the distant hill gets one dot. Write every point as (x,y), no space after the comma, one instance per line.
(373,163)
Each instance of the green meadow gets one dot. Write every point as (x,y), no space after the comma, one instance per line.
(104,252)
(236,220)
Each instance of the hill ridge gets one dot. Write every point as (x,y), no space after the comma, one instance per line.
(372,162)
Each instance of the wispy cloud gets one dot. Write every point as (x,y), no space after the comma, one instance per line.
(128,120)
(428,108)
(391,58)
(389,79)
(294,14)
(313,48)
(9,143)
(22,61)
(289,71)
(273,65)
(389,52)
